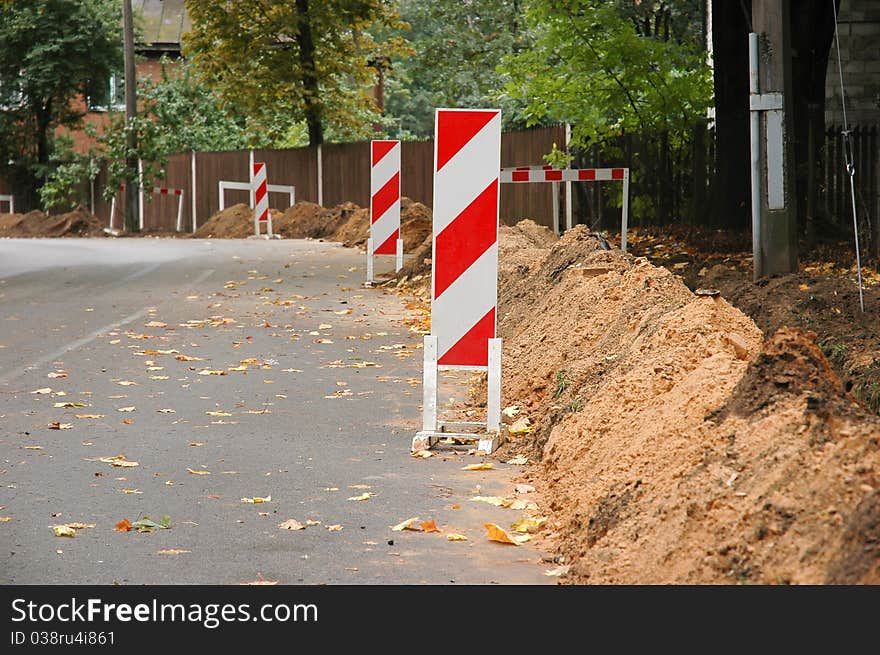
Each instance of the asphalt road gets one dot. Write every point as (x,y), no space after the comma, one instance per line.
(322,410)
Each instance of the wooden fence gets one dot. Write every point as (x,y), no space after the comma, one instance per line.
(345,176)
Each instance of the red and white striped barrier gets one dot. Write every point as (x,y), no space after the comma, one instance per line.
(167,191)
(163,191)
(528,174)
(11,200)
(384,204)
(224,185)
(261,199)
(467,158)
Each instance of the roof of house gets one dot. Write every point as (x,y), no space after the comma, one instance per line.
(162,23)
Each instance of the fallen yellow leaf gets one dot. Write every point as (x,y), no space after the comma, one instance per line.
(132,491)
(364,496)
(211,372)
(5,519)
(172,551)
(454,536)
(68,404)
(56,374)
(125,409)
(156,324)
(42,391)
(126,383)
(430,526)
(334,528)
(291,524)
(33,448)
(187,358)
(257,500)
(166,411)
(485,466)
(194,472)
(529,524)
(55,425)
(218,413)
(498,534)
(409,524)
(63,531)
(89,415)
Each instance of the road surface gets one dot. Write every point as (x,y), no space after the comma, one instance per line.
(317,404)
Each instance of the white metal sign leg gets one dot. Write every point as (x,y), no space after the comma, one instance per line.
(493,402)
(369,261)
(399,255)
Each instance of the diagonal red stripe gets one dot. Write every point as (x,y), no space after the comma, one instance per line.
(380,149)
(467,237)
(390,245)
(384,198)
(455,129)
(473,348)
(260,193)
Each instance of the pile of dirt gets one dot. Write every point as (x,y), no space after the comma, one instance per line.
(77,223)
(236,222)
(415,225)
(673,443)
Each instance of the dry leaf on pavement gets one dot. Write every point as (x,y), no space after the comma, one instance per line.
(529,524)
(500,535)
(336,527)
(484,466)
(409,524)
(257,500)
(430,526)
(291,524)
(55,425)
(172,551)
(123,526)
(454,536)
(364,496)
(63,531)
(195,472)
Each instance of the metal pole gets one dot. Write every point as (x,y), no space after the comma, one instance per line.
(140,187)
(193,192)
(251,178)
(568,208)
(132,223)
(320,178)
(624,210)
(555,187)
(755,135)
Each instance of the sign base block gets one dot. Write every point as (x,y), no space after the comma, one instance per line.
(489,435)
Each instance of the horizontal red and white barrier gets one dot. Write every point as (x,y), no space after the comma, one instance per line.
(538,174)
(167,191)
(549,174)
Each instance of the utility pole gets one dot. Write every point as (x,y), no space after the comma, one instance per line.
(132,222)
(774,207)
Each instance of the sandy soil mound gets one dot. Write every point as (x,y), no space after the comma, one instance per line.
(415,225)
(77,223)
(236,222)
(673,442)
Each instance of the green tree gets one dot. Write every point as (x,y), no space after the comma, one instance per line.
(301,59)
(598,67)
(457,45)
(51,53)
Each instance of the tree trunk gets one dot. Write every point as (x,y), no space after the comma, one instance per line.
(132,219)
(306,47)
(812,35)
(731,186)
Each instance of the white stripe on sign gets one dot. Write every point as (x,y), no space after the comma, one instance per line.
(467,174)
(385,169)
(459,308)
(388,224)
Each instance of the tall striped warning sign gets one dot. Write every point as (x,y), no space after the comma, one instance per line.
(467,158)
(261,199)
(384,204)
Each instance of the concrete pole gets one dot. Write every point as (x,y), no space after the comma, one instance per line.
(771,19)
